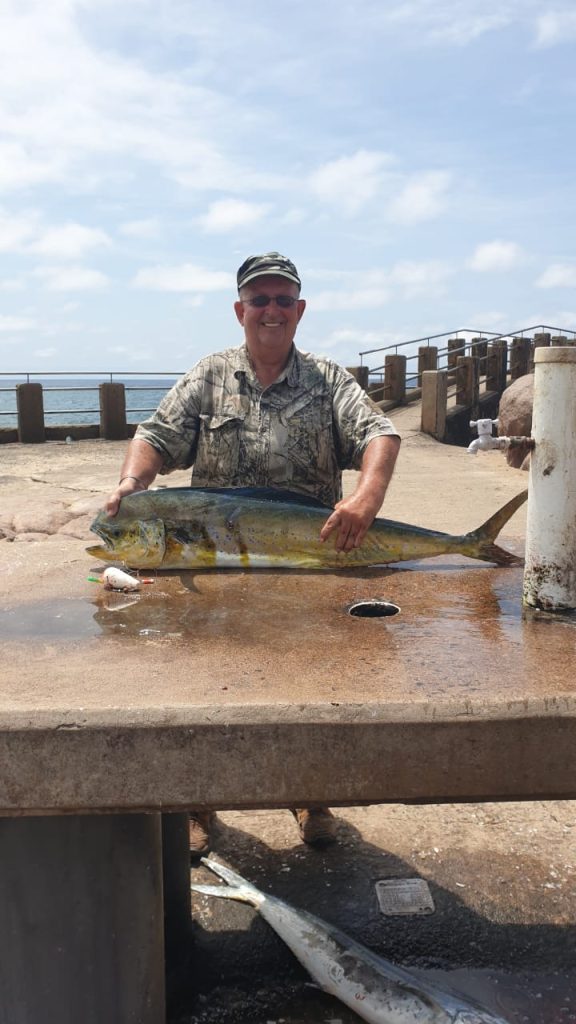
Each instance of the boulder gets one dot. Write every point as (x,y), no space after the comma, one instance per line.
(515,416)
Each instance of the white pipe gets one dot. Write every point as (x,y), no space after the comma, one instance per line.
(550,570)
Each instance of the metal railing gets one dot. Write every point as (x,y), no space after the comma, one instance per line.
(446,357)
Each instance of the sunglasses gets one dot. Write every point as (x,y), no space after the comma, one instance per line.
(260,301)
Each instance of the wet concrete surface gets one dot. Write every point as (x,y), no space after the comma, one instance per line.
(456,695)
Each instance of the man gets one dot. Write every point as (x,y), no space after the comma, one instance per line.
(266,414)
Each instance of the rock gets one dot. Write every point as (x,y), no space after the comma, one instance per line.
(515,417)
(87,506)
(43,519)
(80,528)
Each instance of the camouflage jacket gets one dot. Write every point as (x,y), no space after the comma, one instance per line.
(299,433)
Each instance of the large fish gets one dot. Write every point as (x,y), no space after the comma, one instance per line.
(188,527)
(374,988)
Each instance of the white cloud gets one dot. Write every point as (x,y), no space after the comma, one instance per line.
(555,27)
(184,278)
(72,279)
(416,278)
(228,214)
(17,323)
(373,288)
(497,256)
(140,228)
(15,231)
(20,168)
(558,275)
(77,105)
(422,197)
(350,181)
(69,241)
(459,31)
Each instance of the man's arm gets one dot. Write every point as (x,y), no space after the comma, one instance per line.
(353,516)
(139,470)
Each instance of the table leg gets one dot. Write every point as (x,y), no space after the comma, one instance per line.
(81,914)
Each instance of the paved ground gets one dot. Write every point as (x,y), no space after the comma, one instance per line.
(502,876)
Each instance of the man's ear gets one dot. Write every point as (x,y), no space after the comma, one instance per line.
(239,310)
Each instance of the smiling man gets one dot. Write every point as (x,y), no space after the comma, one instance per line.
(266,414)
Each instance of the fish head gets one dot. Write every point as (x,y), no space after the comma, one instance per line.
(138,543)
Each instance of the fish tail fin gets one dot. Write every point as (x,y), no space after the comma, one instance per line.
(480,542)
(237,889)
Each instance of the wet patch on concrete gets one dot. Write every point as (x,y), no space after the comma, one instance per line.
(58,620)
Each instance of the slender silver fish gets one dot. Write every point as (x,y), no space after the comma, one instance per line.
(374,988)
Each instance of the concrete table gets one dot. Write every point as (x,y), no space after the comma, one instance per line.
(233,690)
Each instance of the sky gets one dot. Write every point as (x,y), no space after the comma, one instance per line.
(414,159)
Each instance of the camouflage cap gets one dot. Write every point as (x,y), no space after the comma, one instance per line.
(269,263)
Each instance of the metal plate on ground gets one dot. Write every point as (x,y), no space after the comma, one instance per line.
(404,896)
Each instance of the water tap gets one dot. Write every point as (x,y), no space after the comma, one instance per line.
(485,442)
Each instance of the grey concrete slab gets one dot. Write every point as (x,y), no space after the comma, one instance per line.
(236,690)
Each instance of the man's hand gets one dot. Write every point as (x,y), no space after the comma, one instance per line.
(139,470)
(129,485)
(352,518)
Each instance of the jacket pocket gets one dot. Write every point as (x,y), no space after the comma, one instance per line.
(218,452)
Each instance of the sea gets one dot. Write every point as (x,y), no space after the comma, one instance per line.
(76,399)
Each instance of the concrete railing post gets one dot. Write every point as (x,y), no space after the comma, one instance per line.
(541,340)
(550,567)
(455,348)
(113,412)
(360,373)
(496,366)
(395,378)
(30,408)
(479,348)
(427,360)
(467,384)
(519,357)
(434,398)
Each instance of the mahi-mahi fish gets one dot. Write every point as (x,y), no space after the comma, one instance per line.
(192,527)
(376,989)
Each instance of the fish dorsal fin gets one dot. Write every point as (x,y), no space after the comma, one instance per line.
(266,494)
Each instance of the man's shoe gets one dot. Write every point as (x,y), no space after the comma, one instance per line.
(316,825)
(200,832)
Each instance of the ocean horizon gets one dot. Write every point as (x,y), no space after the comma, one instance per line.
(76,399)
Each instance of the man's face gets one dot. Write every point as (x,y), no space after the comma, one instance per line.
(269,330)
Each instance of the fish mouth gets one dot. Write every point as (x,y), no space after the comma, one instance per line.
(102,550)
(98,551)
